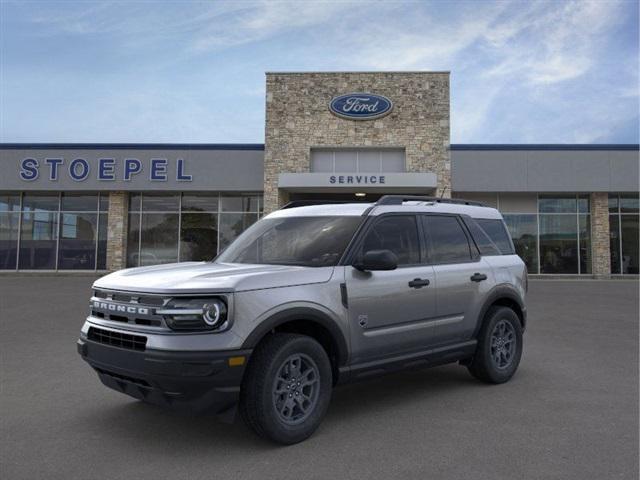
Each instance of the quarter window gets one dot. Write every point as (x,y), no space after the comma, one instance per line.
(498,233)
(447,241)
(398,233)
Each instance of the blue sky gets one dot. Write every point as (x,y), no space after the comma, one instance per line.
(177,71)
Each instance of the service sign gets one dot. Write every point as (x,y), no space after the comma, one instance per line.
(360,106)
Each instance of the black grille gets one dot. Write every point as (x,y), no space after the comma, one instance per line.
(117,339)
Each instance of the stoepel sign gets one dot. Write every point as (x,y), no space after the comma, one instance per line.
(106,169)
(360,106)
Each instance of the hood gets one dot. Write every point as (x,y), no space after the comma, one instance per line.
(207,277)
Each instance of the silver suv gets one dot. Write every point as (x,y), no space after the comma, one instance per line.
(310,297)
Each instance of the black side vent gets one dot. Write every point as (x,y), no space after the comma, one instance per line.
(117,339)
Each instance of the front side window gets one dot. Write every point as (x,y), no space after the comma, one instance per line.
(447,241)
(302,241)
(397,233)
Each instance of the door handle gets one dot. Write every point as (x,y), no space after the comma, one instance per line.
(478,277)
(418,283)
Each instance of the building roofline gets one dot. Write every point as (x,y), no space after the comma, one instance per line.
(443,72)
(544,146)
(132,146)
(260,146)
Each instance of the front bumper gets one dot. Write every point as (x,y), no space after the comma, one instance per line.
(194,382)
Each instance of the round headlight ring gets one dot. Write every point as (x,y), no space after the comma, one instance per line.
(211,314)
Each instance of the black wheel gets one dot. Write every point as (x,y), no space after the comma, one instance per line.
(499,346)
(287,388)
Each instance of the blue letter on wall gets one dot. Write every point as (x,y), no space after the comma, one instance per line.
(53,167)
(159,169)
(132,166)
(180,175)
(29,169)
(106,167)
(79,169)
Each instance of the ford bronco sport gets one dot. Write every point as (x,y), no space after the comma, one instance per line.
(310,297)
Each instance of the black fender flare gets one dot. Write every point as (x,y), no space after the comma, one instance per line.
(301,313)
(500,292)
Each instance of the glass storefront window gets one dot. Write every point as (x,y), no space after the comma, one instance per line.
(53,231)
(557,204)
(41,201)
(200,202)
(584,235)
(630,245)
(232,225)
(524,232)
(614,242)
(558,244)
(133,240)
(193,226)
(198,236)
(159,238)
(565,234)
(629,204)
(78,235)
(9,222)
(159,202)
(239,203)
(79,202)
(38,240)
(623,234)
(9,202)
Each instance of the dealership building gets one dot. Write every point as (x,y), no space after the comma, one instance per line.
(347,136)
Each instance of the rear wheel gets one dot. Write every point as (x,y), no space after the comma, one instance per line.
(499,346)
(287,388)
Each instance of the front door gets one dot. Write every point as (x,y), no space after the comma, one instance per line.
(391,312)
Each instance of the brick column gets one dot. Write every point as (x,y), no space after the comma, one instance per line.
(117,230)
(600,252)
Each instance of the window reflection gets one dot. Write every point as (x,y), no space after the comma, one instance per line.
(159,238)
(78,235)
(198,236)
(38,238)
(232,225)
(8,240)
(558,244)
(524,232)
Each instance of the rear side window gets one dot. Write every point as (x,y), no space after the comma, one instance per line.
(483,242)
(446,240)
(497,233)
(398,233)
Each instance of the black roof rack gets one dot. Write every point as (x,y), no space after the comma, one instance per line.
(400,199)
(307,203)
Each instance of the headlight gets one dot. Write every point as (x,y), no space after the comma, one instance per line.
(195,314)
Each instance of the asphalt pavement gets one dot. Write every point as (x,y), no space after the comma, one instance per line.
(571,411)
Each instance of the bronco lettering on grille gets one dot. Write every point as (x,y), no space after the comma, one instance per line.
(113,307)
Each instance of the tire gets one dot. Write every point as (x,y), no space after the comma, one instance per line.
(499,346)
(275,403)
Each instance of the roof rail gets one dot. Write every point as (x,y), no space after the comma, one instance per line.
(400,199)
(307,203)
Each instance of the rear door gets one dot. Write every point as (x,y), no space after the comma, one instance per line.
(391,312)
(462,277)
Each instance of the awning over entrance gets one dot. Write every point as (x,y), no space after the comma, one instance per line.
(358,182)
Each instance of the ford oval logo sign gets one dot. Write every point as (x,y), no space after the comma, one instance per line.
(360,106)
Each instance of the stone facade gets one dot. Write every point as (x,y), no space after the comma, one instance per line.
(298,119)
(600,248)
(117,230)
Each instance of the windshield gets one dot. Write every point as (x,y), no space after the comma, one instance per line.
(304,241)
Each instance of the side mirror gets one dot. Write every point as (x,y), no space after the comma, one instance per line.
(377,260)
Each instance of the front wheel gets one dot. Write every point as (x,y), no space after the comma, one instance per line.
(287,387)
(499,346)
